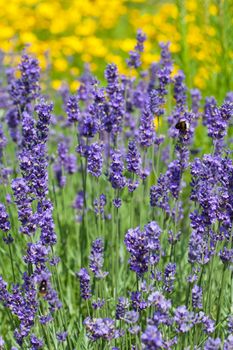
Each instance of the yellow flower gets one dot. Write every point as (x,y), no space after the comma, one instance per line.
(157,122)
(67,32)
(56,84)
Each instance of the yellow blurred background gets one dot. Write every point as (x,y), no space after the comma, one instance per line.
(65,34)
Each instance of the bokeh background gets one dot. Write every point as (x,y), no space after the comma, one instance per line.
(65,34)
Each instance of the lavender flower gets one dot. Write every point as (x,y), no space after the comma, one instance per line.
(114,110)
(153,233)
(89,126)
(184,319)
(137,245)
(101,328)
(79,201)
(138,303)
(95,160)
(121,307)
(116,171)
(44,110)
(36,343)
(160,302)
(131,317)
(36,253)
(1,342)
(134,60)
(146,128)
(180,91)
(98,304)
(196,97)
(169,277)
(133,158)
(13,120)
(197,297)
(96,258)
(26,88)
(212,344)
(99,204)
(226,255)
(117,202)
(61,337)
(84,278)
(4,221)
(152,338)
(3,142)
(228,344)
(72,109)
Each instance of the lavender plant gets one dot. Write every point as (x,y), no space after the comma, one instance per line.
(115,220)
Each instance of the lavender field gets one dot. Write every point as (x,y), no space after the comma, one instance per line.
(116,210)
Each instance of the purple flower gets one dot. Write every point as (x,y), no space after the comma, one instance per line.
(159,194)
(4,219)
(84,278)
(131,317)
(169,183)
(46,319)
(89,126)
(99,204)
(13,120)
(1,342)
(212,344)
(141,38)
(111,75)
(95,160)
(61,336)
(226,255)
(138,303)
(153,74)
(184,319)
(117,202)
(72,109)
(136,243)
(134,60)
(113,111)
(35,342)
(25,89)
(230,324)
(96,258)
(133,158)
(159,301)
(101,328)
(79,201)
(169,277)
(152,338)
(153,233)
(180,91)
(8,239)
(132,186)
(61,179)
(146,128)
(98,304)
(208,323)
(3,142)
(197,297)
(121,307)
(43,110)
(46,223)
(174,178)
(228,344)
(23,303)
(196,98)
(116,171)
(36,253)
